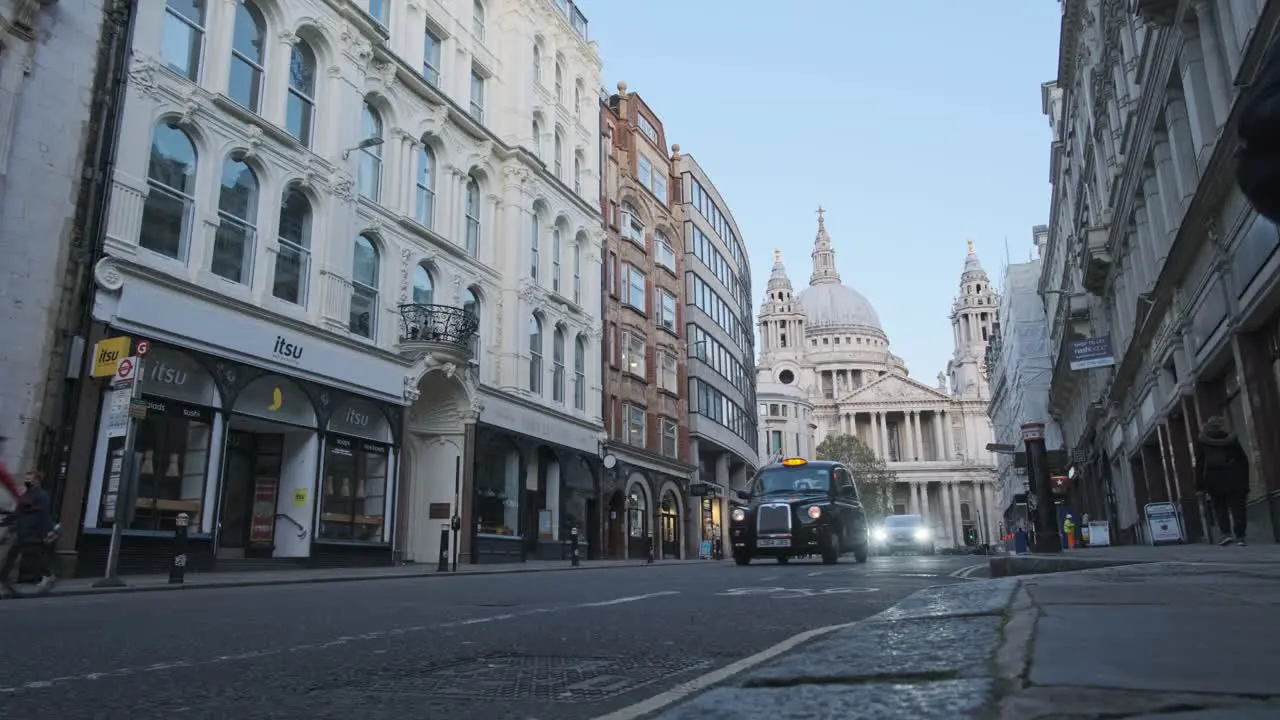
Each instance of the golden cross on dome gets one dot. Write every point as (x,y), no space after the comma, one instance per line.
(969,242)
(777,256)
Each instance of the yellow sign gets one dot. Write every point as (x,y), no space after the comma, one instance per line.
(108,353)
(300,497)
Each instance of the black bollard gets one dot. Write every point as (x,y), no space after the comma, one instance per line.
(443,564)
(650,560)
(178,568)
(573,545)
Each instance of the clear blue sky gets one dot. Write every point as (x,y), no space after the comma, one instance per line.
(915,123)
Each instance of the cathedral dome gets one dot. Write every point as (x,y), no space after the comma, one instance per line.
(830,305)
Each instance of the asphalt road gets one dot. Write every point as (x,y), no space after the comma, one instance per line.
(561,645)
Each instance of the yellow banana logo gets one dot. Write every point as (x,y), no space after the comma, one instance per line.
(277,400)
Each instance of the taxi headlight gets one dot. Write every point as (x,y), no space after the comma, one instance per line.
(738,514)
(922,534)
(879,535)
(815,512)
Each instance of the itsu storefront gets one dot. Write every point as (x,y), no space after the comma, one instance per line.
(280,445)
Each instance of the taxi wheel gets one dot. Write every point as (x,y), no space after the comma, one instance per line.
(831,549)
(783,560)
(861,553)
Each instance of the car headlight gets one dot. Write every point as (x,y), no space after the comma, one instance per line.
(738,514)
(922,534)
(815,512)
(879,535)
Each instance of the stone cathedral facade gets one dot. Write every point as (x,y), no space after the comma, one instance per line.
(826,345)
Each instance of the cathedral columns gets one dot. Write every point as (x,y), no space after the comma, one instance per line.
(939,428)
(957,522)
(882,436)
(944,496)
(917,437)
(924,503)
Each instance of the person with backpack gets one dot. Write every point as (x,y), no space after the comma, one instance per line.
(1258,157)
(1222,472)
(34,529)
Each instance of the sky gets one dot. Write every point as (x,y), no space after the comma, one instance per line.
(916,124)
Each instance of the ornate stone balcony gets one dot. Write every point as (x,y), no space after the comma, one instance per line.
(440,330)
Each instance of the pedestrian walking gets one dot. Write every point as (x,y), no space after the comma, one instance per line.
(1069,532)
(1222,473)
(33,527)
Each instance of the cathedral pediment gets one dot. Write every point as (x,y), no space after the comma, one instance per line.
(896,389)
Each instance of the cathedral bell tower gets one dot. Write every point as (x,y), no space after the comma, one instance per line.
(973,322)
(781,326)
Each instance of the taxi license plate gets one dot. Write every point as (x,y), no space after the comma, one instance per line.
(775,543)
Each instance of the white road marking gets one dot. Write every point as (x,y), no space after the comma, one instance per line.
(964,572)
(777,593)
(632,598)
(697,685)
(310,647)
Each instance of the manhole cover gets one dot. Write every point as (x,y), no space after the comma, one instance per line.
(552,679)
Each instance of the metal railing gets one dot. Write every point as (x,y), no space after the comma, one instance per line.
(437,323)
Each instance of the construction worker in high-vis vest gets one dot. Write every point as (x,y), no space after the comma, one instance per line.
(1069,529)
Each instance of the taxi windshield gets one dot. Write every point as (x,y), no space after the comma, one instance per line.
(799,478)
(902,521)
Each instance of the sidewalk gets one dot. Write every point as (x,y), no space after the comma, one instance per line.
(1189,640)
(1089,558)
(211,580)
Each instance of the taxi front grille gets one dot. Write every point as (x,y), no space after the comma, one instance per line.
(774,519)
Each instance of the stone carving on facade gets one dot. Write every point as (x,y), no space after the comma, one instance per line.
(252,142)
(514,175)
(342,184)
(108,275)
(287,37)
(334,71)
(385,72)
(405,255)
(142,75)
(190,107)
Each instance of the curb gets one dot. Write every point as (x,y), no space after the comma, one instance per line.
(932,655)
(1029,565)
(223,584)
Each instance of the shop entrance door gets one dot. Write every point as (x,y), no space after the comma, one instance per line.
(251,470)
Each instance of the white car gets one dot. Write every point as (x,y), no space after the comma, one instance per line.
(903,533)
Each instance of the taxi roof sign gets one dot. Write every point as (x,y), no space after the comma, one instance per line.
(792,462)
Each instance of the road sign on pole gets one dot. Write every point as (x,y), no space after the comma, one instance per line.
(127,370)
(144,347)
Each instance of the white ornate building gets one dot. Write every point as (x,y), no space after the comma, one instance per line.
(828,342)
(312,209)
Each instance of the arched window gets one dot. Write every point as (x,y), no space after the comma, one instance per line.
(471,304)
(424,287)
(369,177)
(579,373)
(233,243)
(556,249)
(245,84)
(537,138)
(557,365)
(559,149)
(535,354)
(535,251)
(577,174)
(559,82)
(380,11)
(425,205)
(293,257)
(473,216)
(477,19)
(537,61)
(300,108)
(364,288)
(577,272)
(171,187)
(183,43)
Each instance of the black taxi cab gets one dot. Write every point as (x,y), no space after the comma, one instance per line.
(798,507)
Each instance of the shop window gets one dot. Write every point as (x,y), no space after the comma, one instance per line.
(354,493)
(498,495)
(360,418)
(173,452)
(637,513)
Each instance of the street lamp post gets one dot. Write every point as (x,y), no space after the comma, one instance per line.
(1046,521)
